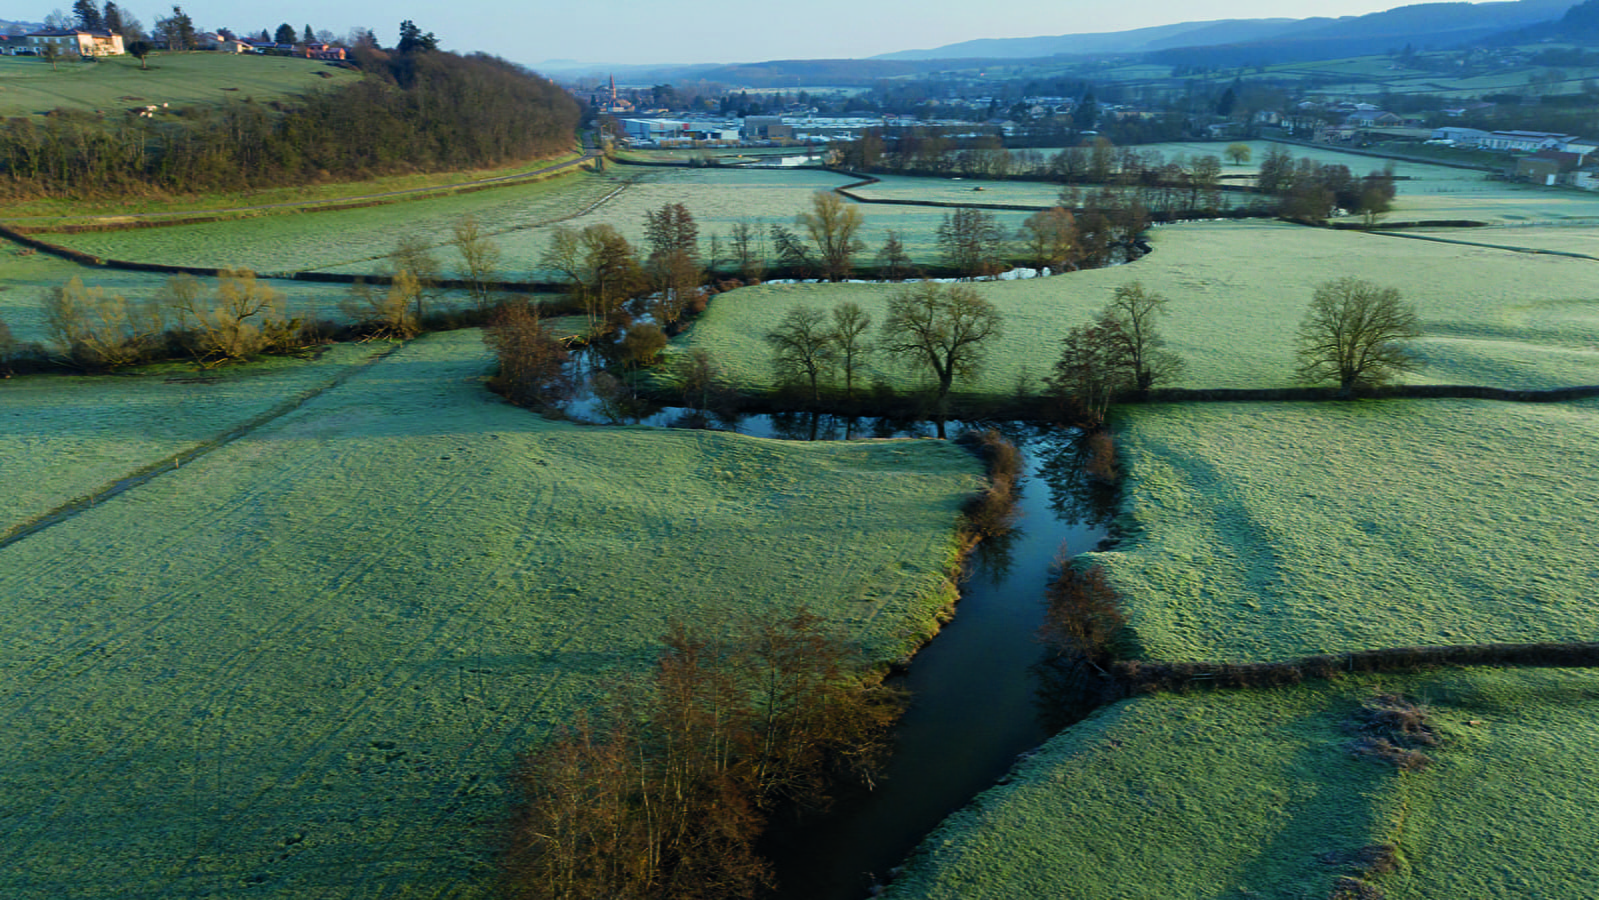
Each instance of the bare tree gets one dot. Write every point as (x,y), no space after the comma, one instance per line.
(601,267)
(832,225)
(1353,332)
(241,319)
(1050,239)
(97,330)
(480,259)
(802,351)
(386,314)
(749,250)
(532,362)
(940,329)
(1138,345)
(972,242)
(674,264)
(1086,376)
(893,262)
(850,345)
(412,254)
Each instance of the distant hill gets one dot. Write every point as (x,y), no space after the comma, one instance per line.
(1580,23)
(1279,40)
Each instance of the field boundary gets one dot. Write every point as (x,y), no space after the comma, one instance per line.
(148,473)
(1508,247)
(1145,677)
(1474,167)
(1390,392)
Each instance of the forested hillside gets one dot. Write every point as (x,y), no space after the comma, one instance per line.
(422,111)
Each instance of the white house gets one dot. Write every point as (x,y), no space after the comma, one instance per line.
(78,42)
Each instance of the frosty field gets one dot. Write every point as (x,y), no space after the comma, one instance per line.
(303,664)
(1256,794)
(24,280)
(64,437)
(1238,291)
(1259,532)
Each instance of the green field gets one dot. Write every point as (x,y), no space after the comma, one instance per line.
(1238,292)
(521,219)
(24,280)
(356,239)
(69,437)
(1270,531)
(303,665)
(1256,794)
(30,87)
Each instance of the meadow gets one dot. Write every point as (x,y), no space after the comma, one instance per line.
(25,279)
(1257,794)
(68,437)
(355,240)
(520,219)
(1489,317)
(304,664)
(1261,531)
(29,86)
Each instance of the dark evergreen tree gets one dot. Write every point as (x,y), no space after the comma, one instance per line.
(285,34)
(414,40)
(87,15)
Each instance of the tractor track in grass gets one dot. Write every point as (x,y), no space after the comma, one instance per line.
(174,461)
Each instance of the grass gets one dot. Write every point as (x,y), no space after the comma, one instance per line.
(1259,532)
(521,218)
(68,437)
(29,86)
(1489,317)
(1256,794)
(64,212)
(303,665)
(24,280)
(356,239)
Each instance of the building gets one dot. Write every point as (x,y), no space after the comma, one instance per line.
(612,103)
(767,128)
(78,42)
(654,130)
(1526,141)
(1461,137)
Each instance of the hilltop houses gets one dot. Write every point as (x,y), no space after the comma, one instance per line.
(77,42)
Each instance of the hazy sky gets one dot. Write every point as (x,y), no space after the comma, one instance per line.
(684,31)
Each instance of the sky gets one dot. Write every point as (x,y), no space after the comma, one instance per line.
(719,31)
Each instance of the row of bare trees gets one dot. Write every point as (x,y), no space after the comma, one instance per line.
(939,330)
(665,794)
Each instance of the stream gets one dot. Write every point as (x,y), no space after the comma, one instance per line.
(980,694)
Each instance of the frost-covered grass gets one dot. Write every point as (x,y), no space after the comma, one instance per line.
(520,219)
(1255,794)
(304,664)
(354,239)
(63,438)
(241,203)
(1238,291)
(25,280)
(1271,531)
(32,87)
(1568,239)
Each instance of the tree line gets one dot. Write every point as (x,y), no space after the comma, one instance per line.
(418,111)
(1164,188)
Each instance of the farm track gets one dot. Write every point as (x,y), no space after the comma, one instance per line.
(174,461)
